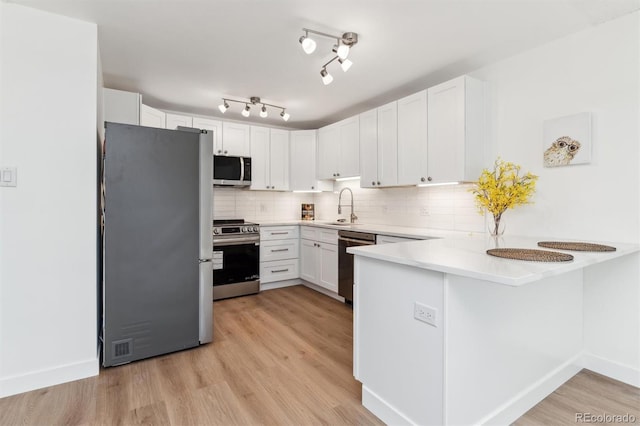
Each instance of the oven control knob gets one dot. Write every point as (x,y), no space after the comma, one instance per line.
(244,229)
(215,231)
(254,229)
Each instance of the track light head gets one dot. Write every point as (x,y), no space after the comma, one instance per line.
(263,112)
(342,50)
(285,116)
(223,107)
(308,44)
(326,77)
(345,64)
(246,112)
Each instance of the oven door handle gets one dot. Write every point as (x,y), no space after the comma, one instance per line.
(234,242)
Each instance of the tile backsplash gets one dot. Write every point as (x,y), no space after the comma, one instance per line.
(439,207)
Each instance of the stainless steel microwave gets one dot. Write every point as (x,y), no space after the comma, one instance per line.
(231,171)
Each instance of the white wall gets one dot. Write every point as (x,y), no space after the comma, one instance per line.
(596,70)
(47,223)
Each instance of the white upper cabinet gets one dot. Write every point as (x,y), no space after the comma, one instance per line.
(412,139)
(455,130)
(214,126)
(175,120)
(120,106)
(369,149)
(270,159)
(302,161)
(236,140)
(388,145)
(151,117)
(339,149)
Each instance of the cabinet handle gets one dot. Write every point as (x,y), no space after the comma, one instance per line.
(279,270)
(429,179)
(373,183)
(337,174)
(226,151)
(312,187)
(378,183)
(334,175)
(219,151)
(274,251)
(279,233)
(422,179)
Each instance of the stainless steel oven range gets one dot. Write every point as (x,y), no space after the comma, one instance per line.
(236,258)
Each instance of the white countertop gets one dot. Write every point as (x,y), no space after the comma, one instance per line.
(466,256)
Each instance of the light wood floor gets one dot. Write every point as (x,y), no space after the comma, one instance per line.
(281,357)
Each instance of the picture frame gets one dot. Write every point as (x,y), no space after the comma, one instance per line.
(567,140)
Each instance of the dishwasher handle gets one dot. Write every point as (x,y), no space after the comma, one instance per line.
(359,242)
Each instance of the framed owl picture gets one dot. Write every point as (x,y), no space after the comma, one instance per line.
(567,140)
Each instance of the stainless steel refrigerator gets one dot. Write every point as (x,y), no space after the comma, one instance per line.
(157,241)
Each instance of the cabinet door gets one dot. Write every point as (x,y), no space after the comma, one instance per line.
(279,160)
(260,158)
(446,131)
(328,152)
(369,149)
(349,148)
(236,139)
(175,120)
(309,261)
(388,144)
(328,273)
(151,117)
(214,126)
(412,139)
(302,162)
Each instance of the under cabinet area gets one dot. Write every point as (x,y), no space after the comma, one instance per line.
(270,159)
(279,253)
(319,257)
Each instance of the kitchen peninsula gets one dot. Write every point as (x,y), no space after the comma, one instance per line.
(446,334)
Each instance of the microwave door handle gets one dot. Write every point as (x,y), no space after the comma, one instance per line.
(241,169)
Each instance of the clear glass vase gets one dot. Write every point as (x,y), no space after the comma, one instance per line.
(497,227)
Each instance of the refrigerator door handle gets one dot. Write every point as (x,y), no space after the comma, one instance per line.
(204,260)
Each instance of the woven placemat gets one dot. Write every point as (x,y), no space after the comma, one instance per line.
(530,254)
(575,246)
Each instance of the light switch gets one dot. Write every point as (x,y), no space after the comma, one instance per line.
(8,176)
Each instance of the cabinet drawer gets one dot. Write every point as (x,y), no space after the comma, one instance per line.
(279,250)
(329,236)
(309,233)
(278,270)
(387,239)
(278,232)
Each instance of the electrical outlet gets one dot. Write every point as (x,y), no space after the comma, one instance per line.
(424,211)
(425,313)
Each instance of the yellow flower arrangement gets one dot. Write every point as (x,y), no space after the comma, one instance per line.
(502,189)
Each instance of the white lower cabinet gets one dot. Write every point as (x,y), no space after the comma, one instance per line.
(319,257)
(279,253)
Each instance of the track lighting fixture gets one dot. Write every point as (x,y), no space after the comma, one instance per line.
(342,48)
(345,64)
(254,100)
(326,77)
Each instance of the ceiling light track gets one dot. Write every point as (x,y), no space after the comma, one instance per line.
(342,48)
(254,100)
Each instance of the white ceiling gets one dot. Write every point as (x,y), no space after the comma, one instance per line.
(184,55)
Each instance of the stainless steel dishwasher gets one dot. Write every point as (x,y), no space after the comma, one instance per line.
(348,239)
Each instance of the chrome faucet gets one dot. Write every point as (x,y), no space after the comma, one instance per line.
(353,216)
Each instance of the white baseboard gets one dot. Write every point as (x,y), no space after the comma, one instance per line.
(382,410)
(623,373)
(525,400)
(54,376)
(323,290)
(280,284)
